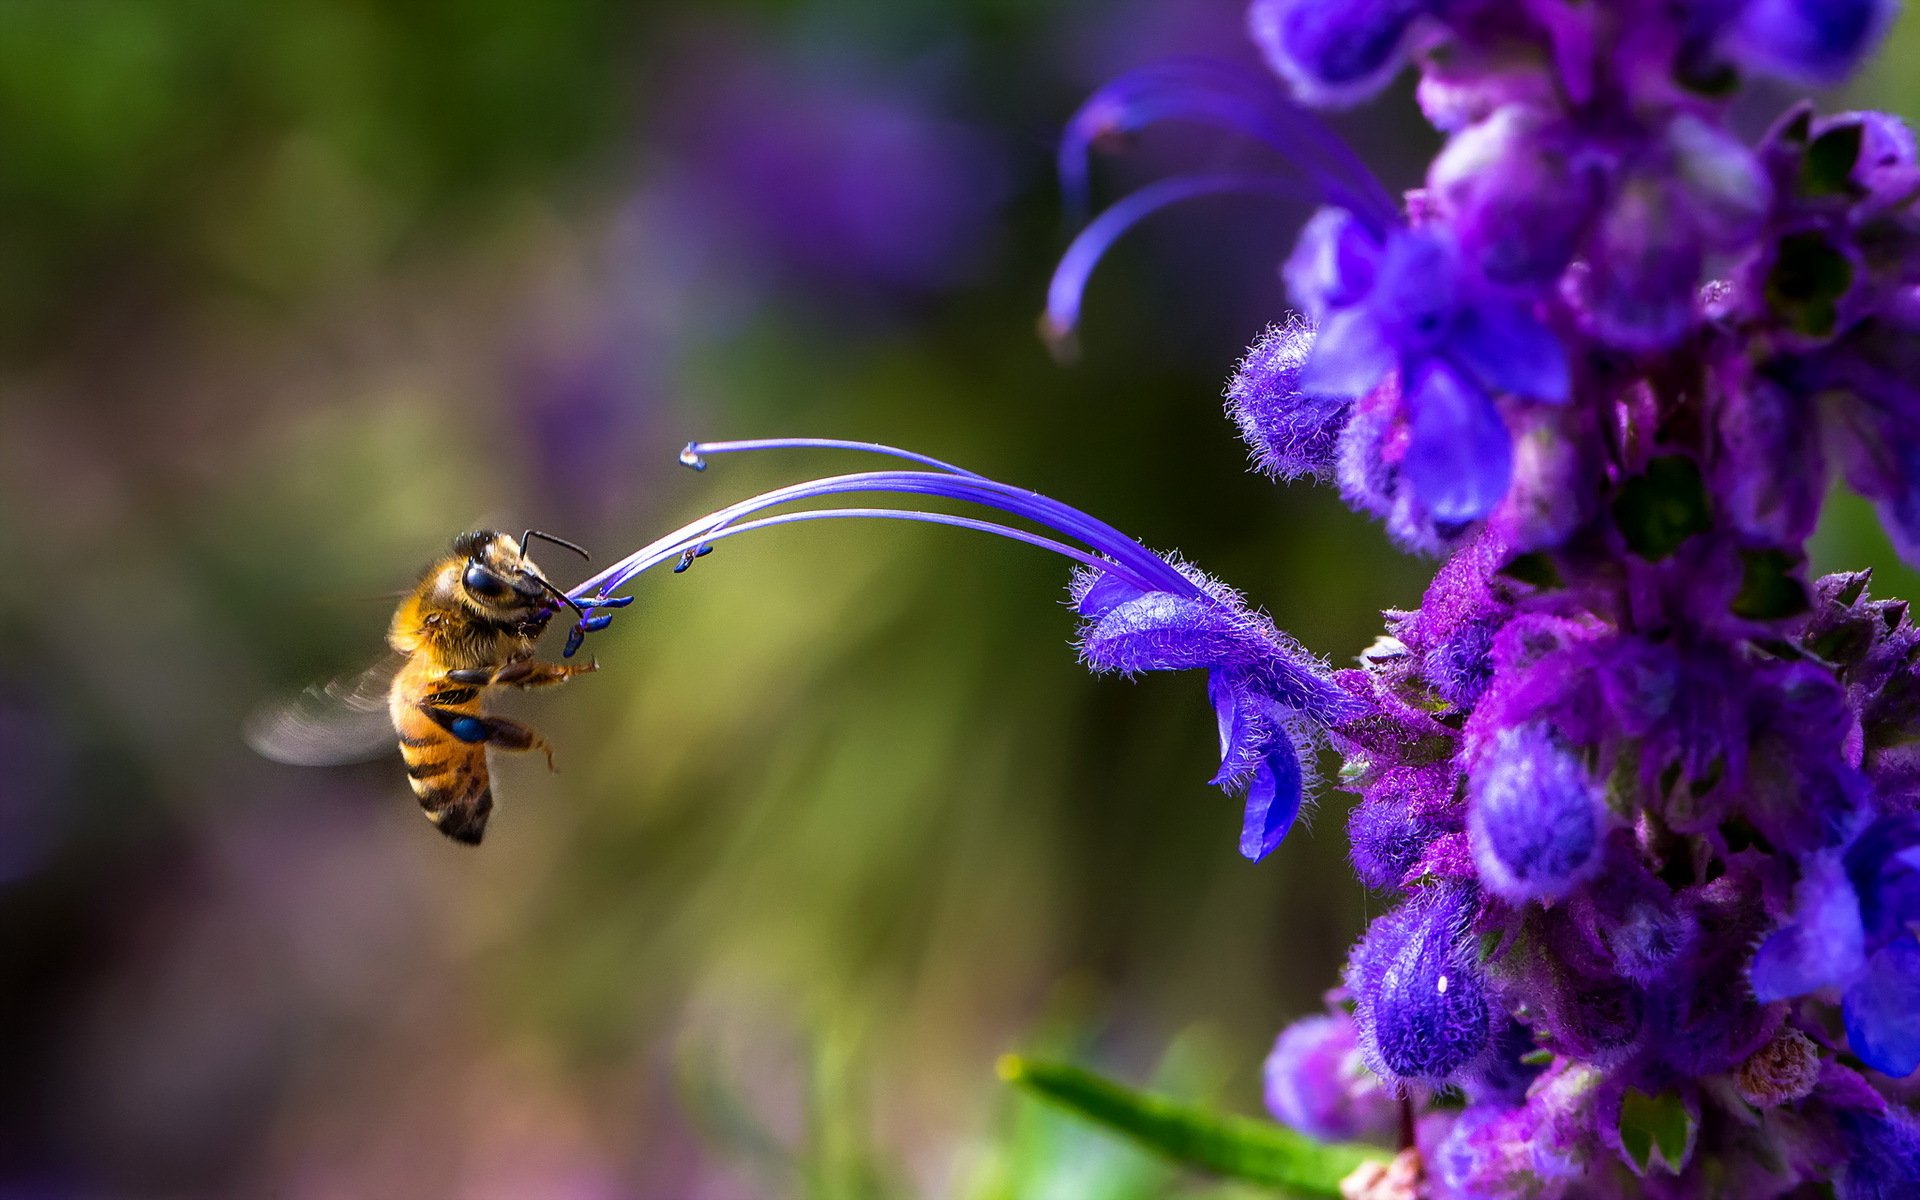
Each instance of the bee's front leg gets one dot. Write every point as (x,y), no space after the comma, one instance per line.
(523,673)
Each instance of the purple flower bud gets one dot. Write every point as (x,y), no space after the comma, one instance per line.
(1535,817)
(1334,52)
(1420,999)
(1386,837)
(1643,267)
(1520,192)
(1813,42)
(1292,434)
(1316,1082)
(1772,474)
(1461,667)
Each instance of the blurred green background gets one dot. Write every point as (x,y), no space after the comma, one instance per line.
(291,293)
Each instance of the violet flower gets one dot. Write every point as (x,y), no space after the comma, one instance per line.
(1139,611)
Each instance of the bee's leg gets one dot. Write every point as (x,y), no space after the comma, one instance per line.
(494,731)
(524,673)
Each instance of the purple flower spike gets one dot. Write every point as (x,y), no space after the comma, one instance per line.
(1334,52)
(1535,819)
(1421,1003)
(1316,1082)
(1813,42)
(1291,433)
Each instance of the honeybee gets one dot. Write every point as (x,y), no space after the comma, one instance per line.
(468,627)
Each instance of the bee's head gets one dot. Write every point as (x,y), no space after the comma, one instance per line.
(498,577)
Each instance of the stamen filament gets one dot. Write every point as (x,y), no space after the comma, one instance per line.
(1109,549)
(696,452)
(1069,283)
(669,553)
(1241,102)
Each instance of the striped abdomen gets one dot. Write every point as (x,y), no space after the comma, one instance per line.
(448,774)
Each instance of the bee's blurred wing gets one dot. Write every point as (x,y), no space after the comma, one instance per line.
(342,721)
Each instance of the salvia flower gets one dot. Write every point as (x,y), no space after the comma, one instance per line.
(1139,611)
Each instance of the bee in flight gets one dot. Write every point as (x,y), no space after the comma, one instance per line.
(468,627)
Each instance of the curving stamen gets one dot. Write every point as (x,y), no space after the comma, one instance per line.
(1140,565)
(1229,98)
(919,516)
(694,455)
(1069,283)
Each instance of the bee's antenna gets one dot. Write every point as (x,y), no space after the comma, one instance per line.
(559,595)
(535,533)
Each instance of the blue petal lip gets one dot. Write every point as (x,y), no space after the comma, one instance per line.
(1512,352)
(1273,799)
(1460,460)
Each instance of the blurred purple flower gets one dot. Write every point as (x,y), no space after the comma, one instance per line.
(821,174)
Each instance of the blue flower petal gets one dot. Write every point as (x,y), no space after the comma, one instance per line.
(1350,355)
(1882,1010)
(1825,944)
(1333,262)
(1273,799)
(1338,53)
(1513,352)
(1461,457)
(1240,730)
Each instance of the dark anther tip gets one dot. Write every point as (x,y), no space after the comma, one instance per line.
(690,457)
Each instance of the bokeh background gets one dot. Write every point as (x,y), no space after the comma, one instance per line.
(290,293)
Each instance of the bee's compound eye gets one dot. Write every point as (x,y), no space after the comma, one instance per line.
(483,582)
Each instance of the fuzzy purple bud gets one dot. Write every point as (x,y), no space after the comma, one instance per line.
(1520,193)
(1420,1000)
(1316,1082)
(1291,433)
(1535,817)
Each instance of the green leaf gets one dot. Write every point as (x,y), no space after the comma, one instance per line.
(1806,283)
(1649,1123)
(1827,169)
(1233,1146)
(1769,588)
(1662,508)
(1535,568)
